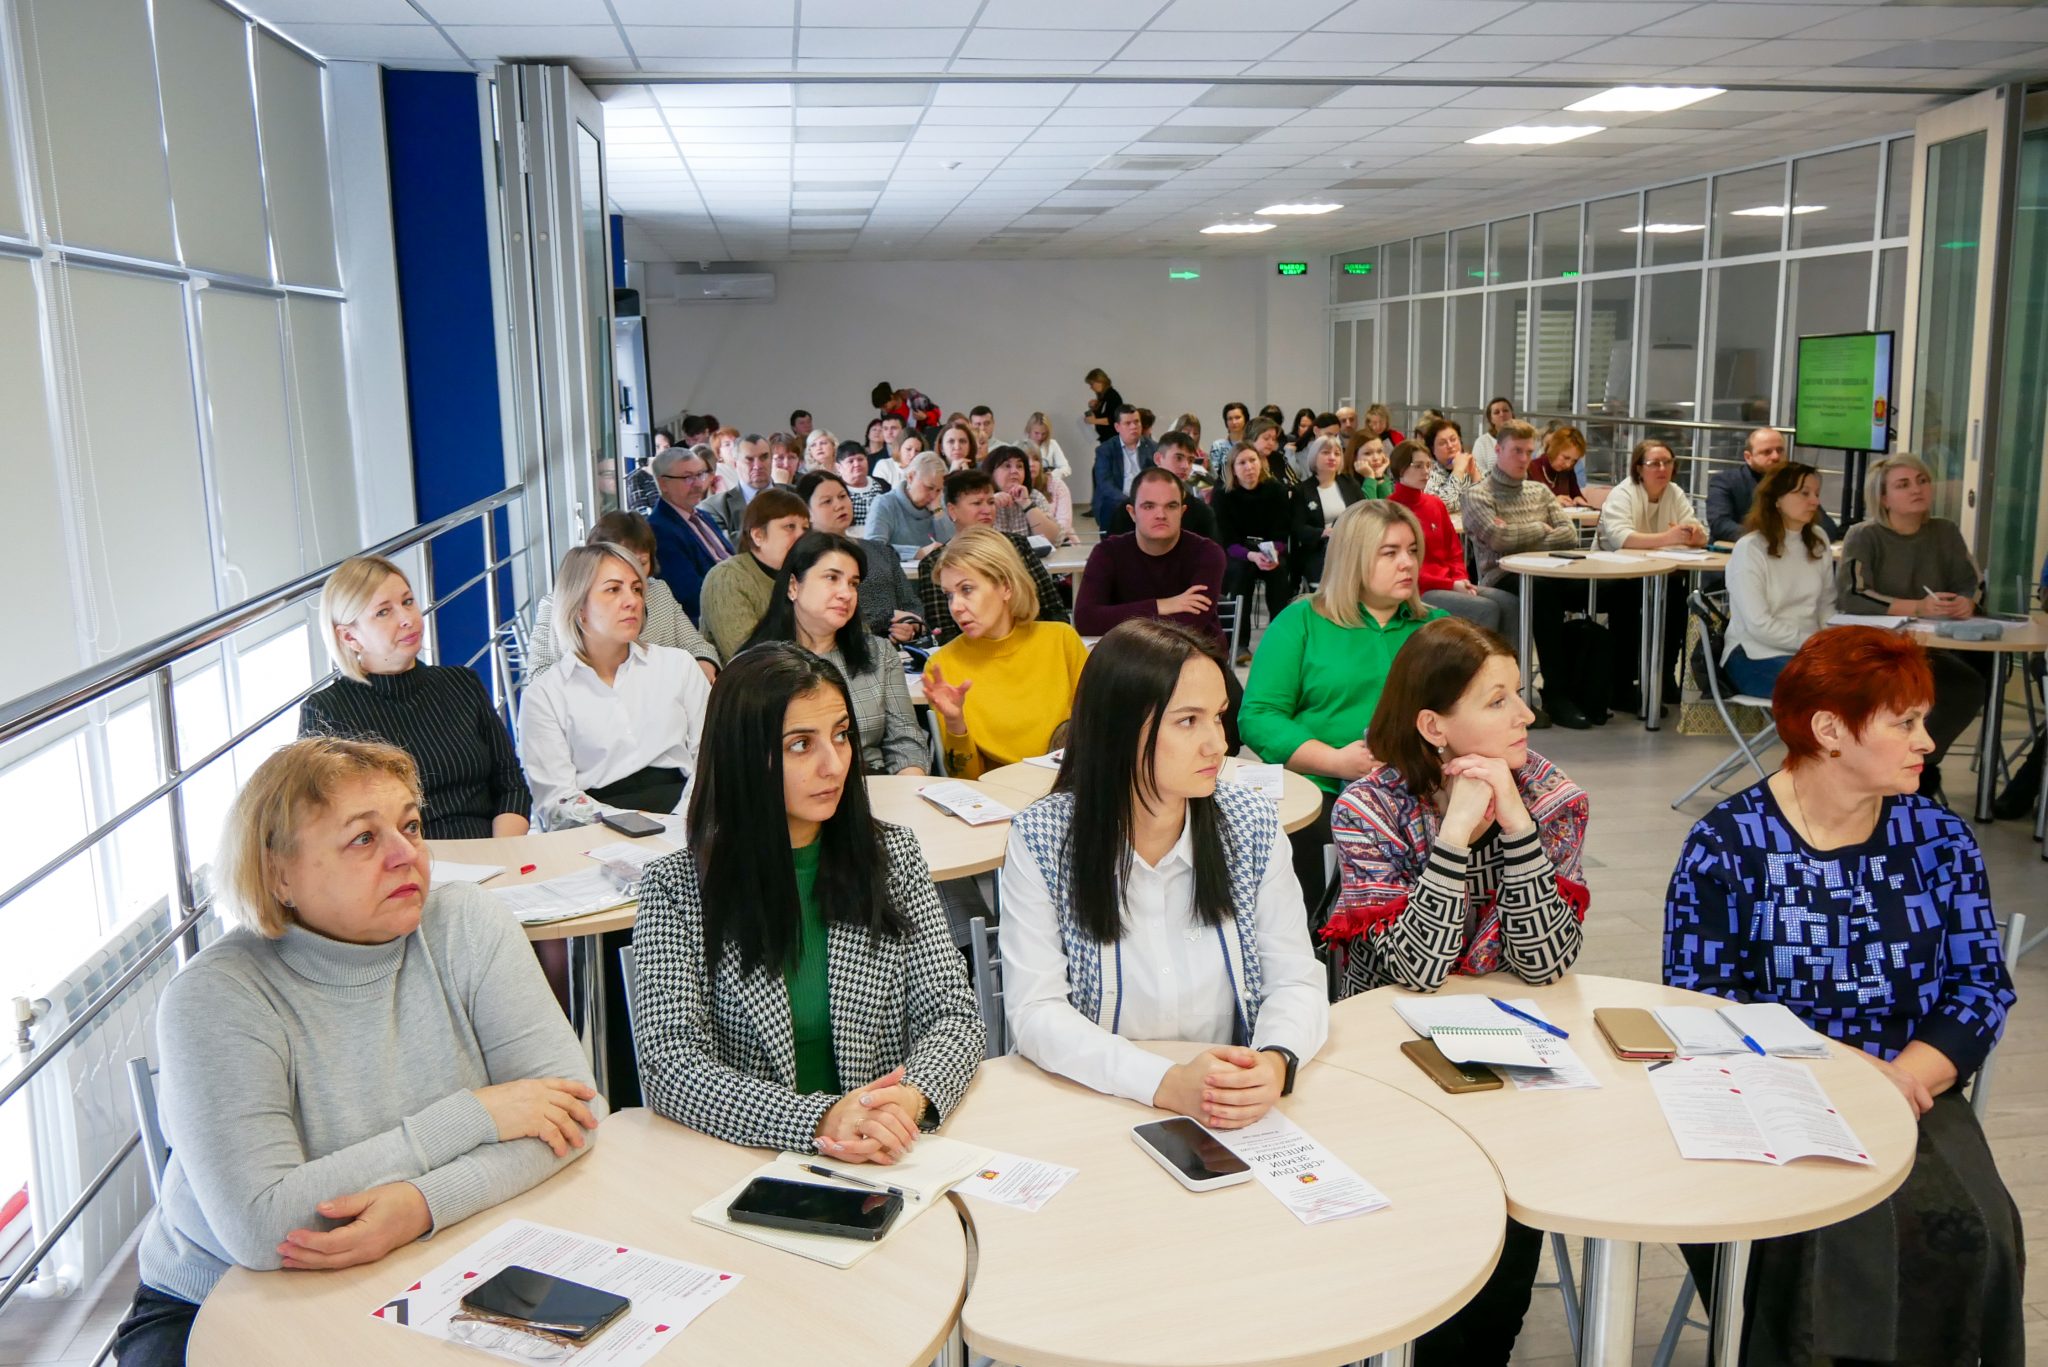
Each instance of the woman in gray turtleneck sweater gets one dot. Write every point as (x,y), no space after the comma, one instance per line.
(359,1063)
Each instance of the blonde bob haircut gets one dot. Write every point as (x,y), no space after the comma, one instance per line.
(988,553)
(1873,483)
(286,791)
(346,598)
(1354,545)
(577,577)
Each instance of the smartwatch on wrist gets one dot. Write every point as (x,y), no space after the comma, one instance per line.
(1291,1059)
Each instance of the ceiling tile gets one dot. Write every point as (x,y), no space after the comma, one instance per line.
(1406,17)
(1357,47)
(1001,94)
(1662,51)
(539,40)
(288,12)
(1743,21)
(1936,54)
(696,41)
(1807,53)
(373,42)
(704,13)
(1524,48)
(1202,47)
(877,42)
(1031,44)
(1234,14)
(518,11)
(1596,18)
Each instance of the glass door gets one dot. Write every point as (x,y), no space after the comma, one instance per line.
(1354,350)
(2016,522)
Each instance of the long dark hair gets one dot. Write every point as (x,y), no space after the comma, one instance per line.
(1118,707)
(1432,671)
(1764,515)
(1296,438)
(746,874)
(779,622)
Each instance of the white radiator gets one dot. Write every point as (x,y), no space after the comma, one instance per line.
(80,1110)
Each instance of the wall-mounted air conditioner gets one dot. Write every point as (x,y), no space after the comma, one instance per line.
(685,283)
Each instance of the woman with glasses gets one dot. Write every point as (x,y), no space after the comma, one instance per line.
(1646,512)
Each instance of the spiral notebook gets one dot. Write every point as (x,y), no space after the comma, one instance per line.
(1474,1030)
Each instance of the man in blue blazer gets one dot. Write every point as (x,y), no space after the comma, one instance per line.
(1117,462)
(687,543)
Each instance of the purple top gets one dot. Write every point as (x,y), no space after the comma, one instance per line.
(1122,581)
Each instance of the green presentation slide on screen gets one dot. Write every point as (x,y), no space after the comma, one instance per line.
(1845,391)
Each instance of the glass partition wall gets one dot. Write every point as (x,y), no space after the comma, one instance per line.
(1673,311)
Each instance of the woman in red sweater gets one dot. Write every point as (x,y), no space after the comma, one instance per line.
(1444,581)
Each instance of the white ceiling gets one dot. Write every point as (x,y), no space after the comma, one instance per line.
(916,165)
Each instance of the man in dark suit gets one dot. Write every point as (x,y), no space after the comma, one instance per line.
(1117,463)
(756,474)
(1730,492)
(687,543)
(1176,454)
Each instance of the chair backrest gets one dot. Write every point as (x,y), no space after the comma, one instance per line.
(2011,936)
(155,1151)
(629,978)
(1226,613)
(987,971)
(1710,611)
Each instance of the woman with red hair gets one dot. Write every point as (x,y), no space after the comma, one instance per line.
(1835,890)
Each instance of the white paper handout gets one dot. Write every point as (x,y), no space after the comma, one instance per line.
(1867,619)
(1683,553)
(969,804)
(1616,558)
(1050,760)
(1776,1029)
(1532,561)
(666,1294)
(1699,1031)
(1307,1178)
(1466,1024)
(1264,778)
(1756,1109)
(1009,1180)
(446,871)
(634,854)
(558,899)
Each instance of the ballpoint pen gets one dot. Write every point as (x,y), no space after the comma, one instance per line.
(1755,1046)
(1524,1015)
(857,1181)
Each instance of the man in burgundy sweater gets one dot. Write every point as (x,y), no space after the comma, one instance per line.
(1155,571)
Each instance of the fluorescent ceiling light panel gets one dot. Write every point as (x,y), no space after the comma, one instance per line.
(1667,228)
(1240,227)
(1777,210)
(1644,99)
(1301,208)
(1525,135)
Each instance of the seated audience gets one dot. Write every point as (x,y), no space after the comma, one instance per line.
(1347,420)
(1175,454)
(1040,442)
(1379,421)
(903,517)
(801,994)
(1005,682)
(1301,431)
(1731,492)
(817,605)
(440,715)
(1498,411)
(971,502)
(1509,513)
(737,590)
(666,623)
(318,1127)
(888,604)
(981,420)
(1461,855)
(1370,464)
(1646,512)
(1833,890)
(1235,417)
(956,446)
(1058,497)
(616,721)
(1262,434)
(1143,900)
(1557,469)
(1254,524)
(687,542)
(862,486)
(1158,570)
(1316,502)
(800,425)
(877,446)
(785,459)
(1443,580)
(1319,670)
(1455,473)
(1779,595)
(756,464)
(821,452)
(1122,453)
(1907,562)
(1020,509)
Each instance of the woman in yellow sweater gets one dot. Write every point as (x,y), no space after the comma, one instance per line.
(1021,671)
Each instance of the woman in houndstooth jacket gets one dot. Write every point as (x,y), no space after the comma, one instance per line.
(804,996)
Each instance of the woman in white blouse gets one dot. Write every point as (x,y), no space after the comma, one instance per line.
(1646,512)
(1778,594)
(1038,439)
(616,723)
(1200,934)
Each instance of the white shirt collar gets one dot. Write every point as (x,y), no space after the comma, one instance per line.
(1181,852)
(635,653)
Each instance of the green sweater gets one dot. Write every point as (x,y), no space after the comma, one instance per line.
(808,982)
(1314,680)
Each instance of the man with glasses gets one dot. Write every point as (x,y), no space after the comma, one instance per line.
(1176,455)
(687,543)
(757,472)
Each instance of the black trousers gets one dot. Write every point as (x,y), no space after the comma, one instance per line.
(153,1332)
(1552,599)
(1241,580)
(1482,1333)
(1622,601)
(1959,682)
(649,790)
(1307,846)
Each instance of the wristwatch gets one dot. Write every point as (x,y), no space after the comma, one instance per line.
(1293,1062)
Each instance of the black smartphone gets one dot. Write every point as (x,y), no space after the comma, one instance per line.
(551,1304)
(810,1208)
(1569,555)
(1197,1159)
(632,823)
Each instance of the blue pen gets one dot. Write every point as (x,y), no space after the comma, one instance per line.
(1524,1015)
(1754,1045)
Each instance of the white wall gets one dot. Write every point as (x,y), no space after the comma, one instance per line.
(1016,335)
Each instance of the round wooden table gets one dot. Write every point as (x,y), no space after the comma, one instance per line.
(1300,800)
(1602,1163)
(2028,639)
(1643,565)
(897,1305)
(1124,1266)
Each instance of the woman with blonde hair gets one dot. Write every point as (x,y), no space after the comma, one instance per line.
(440,715)
(1318,673)
(1021,672)
(361,1060)
(821,451)
(666,623)
(616,723)
(1038,438)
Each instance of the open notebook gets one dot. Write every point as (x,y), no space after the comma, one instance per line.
(935,1163)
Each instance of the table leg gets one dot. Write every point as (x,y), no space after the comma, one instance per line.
(586,1003)
(1653,652)
(1990,741)
(953,1352)
(1526,607)
(1393,1357)
(1609,1336)
(1724,1317)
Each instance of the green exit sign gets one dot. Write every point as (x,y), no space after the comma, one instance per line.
(1358,268)
(1291,267)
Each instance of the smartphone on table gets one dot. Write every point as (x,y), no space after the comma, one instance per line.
(1634,1033)
(1456,1078)
(635,824)
(547,1306)
(809,1208)
(1197,1159)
